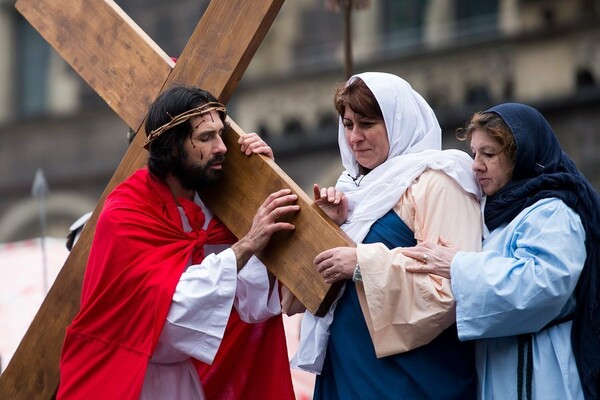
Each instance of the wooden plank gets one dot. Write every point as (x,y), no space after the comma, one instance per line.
(216,59)
(289,255)
(33,371)
(297,251)
(197,66)
(103,45)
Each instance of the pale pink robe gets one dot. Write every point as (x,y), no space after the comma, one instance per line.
(405,310)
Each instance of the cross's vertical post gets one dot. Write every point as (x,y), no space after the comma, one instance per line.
(128,70)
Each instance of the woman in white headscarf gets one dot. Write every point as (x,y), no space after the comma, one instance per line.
(391,333)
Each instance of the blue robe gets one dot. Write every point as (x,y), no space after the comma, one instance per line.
(442,369)
(522,281)
(543,170)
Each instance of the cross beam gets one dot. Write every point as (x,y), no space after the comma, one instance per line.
(128,70)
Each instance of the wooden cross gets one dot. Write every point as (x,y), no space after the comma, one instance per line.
(128,70)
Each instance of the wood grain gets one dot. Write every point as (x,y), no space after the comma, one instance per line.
(128,70)
(289,255)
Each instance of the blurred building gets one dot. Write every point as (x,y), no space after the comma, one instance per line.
(461,55)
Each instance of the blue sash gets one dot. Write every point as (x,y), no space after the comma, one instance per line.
(442,369)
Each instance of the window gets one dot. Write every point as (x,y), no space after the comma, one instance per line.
(476,19)
(403,19)
(470,9)
(32,59)
(403,14)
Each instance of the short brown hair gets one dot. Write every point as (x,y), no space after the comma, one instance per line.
(359,98)
(491,123)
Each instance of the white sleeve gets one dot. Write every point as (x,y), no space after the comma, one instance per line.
(201,307)
(255,299)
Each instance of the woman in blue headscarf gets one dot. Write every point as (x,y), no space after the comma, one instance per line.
(531,297)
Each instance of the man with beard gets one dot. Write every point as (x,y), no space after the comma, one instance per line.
(172,305)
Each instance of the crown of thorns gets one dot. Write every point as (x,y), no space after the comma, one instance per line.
(181,118)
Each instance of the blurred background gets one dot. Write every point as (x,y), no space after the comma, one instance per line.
(461,55)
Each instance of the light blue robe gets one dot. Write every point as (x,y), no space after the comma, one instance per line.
(523,280)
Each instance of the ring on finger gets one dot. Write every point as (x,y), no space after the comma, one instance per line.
(425,258)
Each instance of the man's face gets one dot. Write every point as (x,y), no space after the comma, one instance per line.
(201,161)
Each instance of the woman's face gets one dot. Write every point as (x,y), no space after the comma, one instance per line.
(492,167)
(367,138)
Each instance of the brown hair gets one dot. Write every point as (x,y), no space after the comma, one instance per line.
(491,123)
(359,98)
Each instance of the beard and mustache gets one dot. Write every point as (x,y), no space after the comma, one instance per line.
(193,176)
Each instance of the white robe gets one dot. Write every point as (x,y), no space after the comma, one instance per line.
(198,316)
(524,279)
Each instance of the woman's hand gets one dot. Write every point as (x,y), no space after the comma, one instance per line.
(333,203)
(336,264)
(251,143)
(435,258)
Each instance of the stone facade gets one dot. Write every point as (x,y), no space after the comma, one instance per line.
(545,53)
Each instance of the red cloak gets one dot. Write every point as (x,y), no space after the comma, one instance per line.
(137,257)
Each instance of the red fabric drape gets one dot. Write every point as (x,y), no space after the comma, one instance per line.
(137,257)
